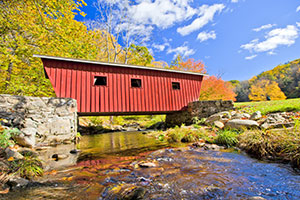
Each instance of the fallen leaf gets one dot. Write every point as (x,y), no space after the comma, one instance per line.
(11,159)
(4,191)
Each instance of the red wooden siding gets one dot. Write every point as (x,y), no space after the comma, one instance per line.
(76,80)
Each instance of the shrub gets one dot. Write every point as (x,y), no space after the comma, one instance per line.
(5,136)
(5,139)
(175,135)
(28,167)
(227,138)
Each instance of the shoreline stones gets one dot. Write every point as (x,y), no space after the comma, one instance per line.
(236,120)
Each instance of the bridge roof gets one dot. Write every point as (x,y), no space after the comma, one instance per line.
(116,64)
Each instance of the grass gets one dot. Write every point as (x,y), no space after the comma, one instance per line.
(227,137)
(28,167)
(273,144)
(269,106)
(183,134)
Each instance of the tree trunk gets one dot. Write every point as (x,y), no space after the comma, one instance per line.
(9,70)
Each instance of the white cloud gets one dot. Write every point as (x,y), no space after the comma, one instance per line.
(275,38)
(234,1)
(203,36)
(298,24)
(250,57)
(298,9)
(206,14)
(183,50)
(160,47)
(162,13)
(267,26)
(271,53)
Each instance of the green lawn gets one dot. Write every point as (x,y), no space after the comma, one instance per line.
(269,106)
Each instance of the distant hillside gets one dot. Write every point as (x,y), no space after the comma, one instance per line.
(287,76)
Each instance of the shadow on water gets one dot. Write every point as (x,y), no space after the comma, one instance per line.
(108,164)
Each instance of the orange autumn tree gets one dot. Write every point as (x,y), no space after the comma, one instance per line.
(193,66)
(214,88)
(188,65)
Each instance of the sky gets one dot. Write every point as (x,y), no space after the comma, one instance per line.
(236,39)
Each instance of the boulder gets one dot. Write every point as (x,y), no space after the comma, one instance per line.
(57,157)
(275,118)
(25,141)
(117,128)
(13,153)
(276,125)
(239,123)
(256,198)
(276,121)
(218,117)
(241,116)
(211,147)
(147,164)
(256,116)
(198,144)
(17,182)
(74,151)
(218,124)
(131,129)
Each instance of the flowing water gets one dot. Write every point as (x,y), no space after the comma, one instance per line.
(108,168)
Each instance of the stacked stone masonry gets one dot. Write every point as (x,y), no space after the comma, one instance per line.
(42,120)
(197,109)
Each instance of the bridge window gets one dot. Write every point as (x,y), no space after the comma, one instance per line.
(176,85)
(100,80)
(136,83)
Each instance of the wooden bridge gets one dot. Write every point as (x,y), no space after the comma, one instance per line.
(107,89)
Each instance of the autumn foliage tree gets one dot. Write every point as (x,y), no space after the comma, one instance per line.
(188,65)
(214,88)
(263,90)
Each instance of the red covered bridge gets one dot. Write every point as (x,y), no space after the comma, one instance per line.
(102,88)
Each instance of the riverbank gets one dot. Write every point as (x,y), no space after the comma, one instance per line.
(274,137)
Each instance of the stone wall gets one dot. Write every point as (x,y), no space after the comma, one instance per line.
(199,109)
(42,120)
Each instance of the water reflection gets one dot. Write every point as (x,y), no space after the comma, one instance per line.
(119,143)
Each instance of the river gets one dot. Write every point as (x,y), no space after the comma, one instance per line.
(108,168)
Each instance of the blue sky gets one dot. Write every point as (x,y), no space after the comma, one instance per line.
(236,39)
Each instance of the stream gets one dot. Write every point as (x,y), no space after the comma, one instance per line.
(109,166)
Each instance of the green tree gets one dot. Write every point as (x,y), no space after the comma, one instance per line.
(38,27)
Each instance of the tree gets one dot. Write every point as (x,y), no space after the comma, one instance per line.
(139,55)
(264,89)
(119,30)
(242,90)
(214,88)
(38,27)
(187,65)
